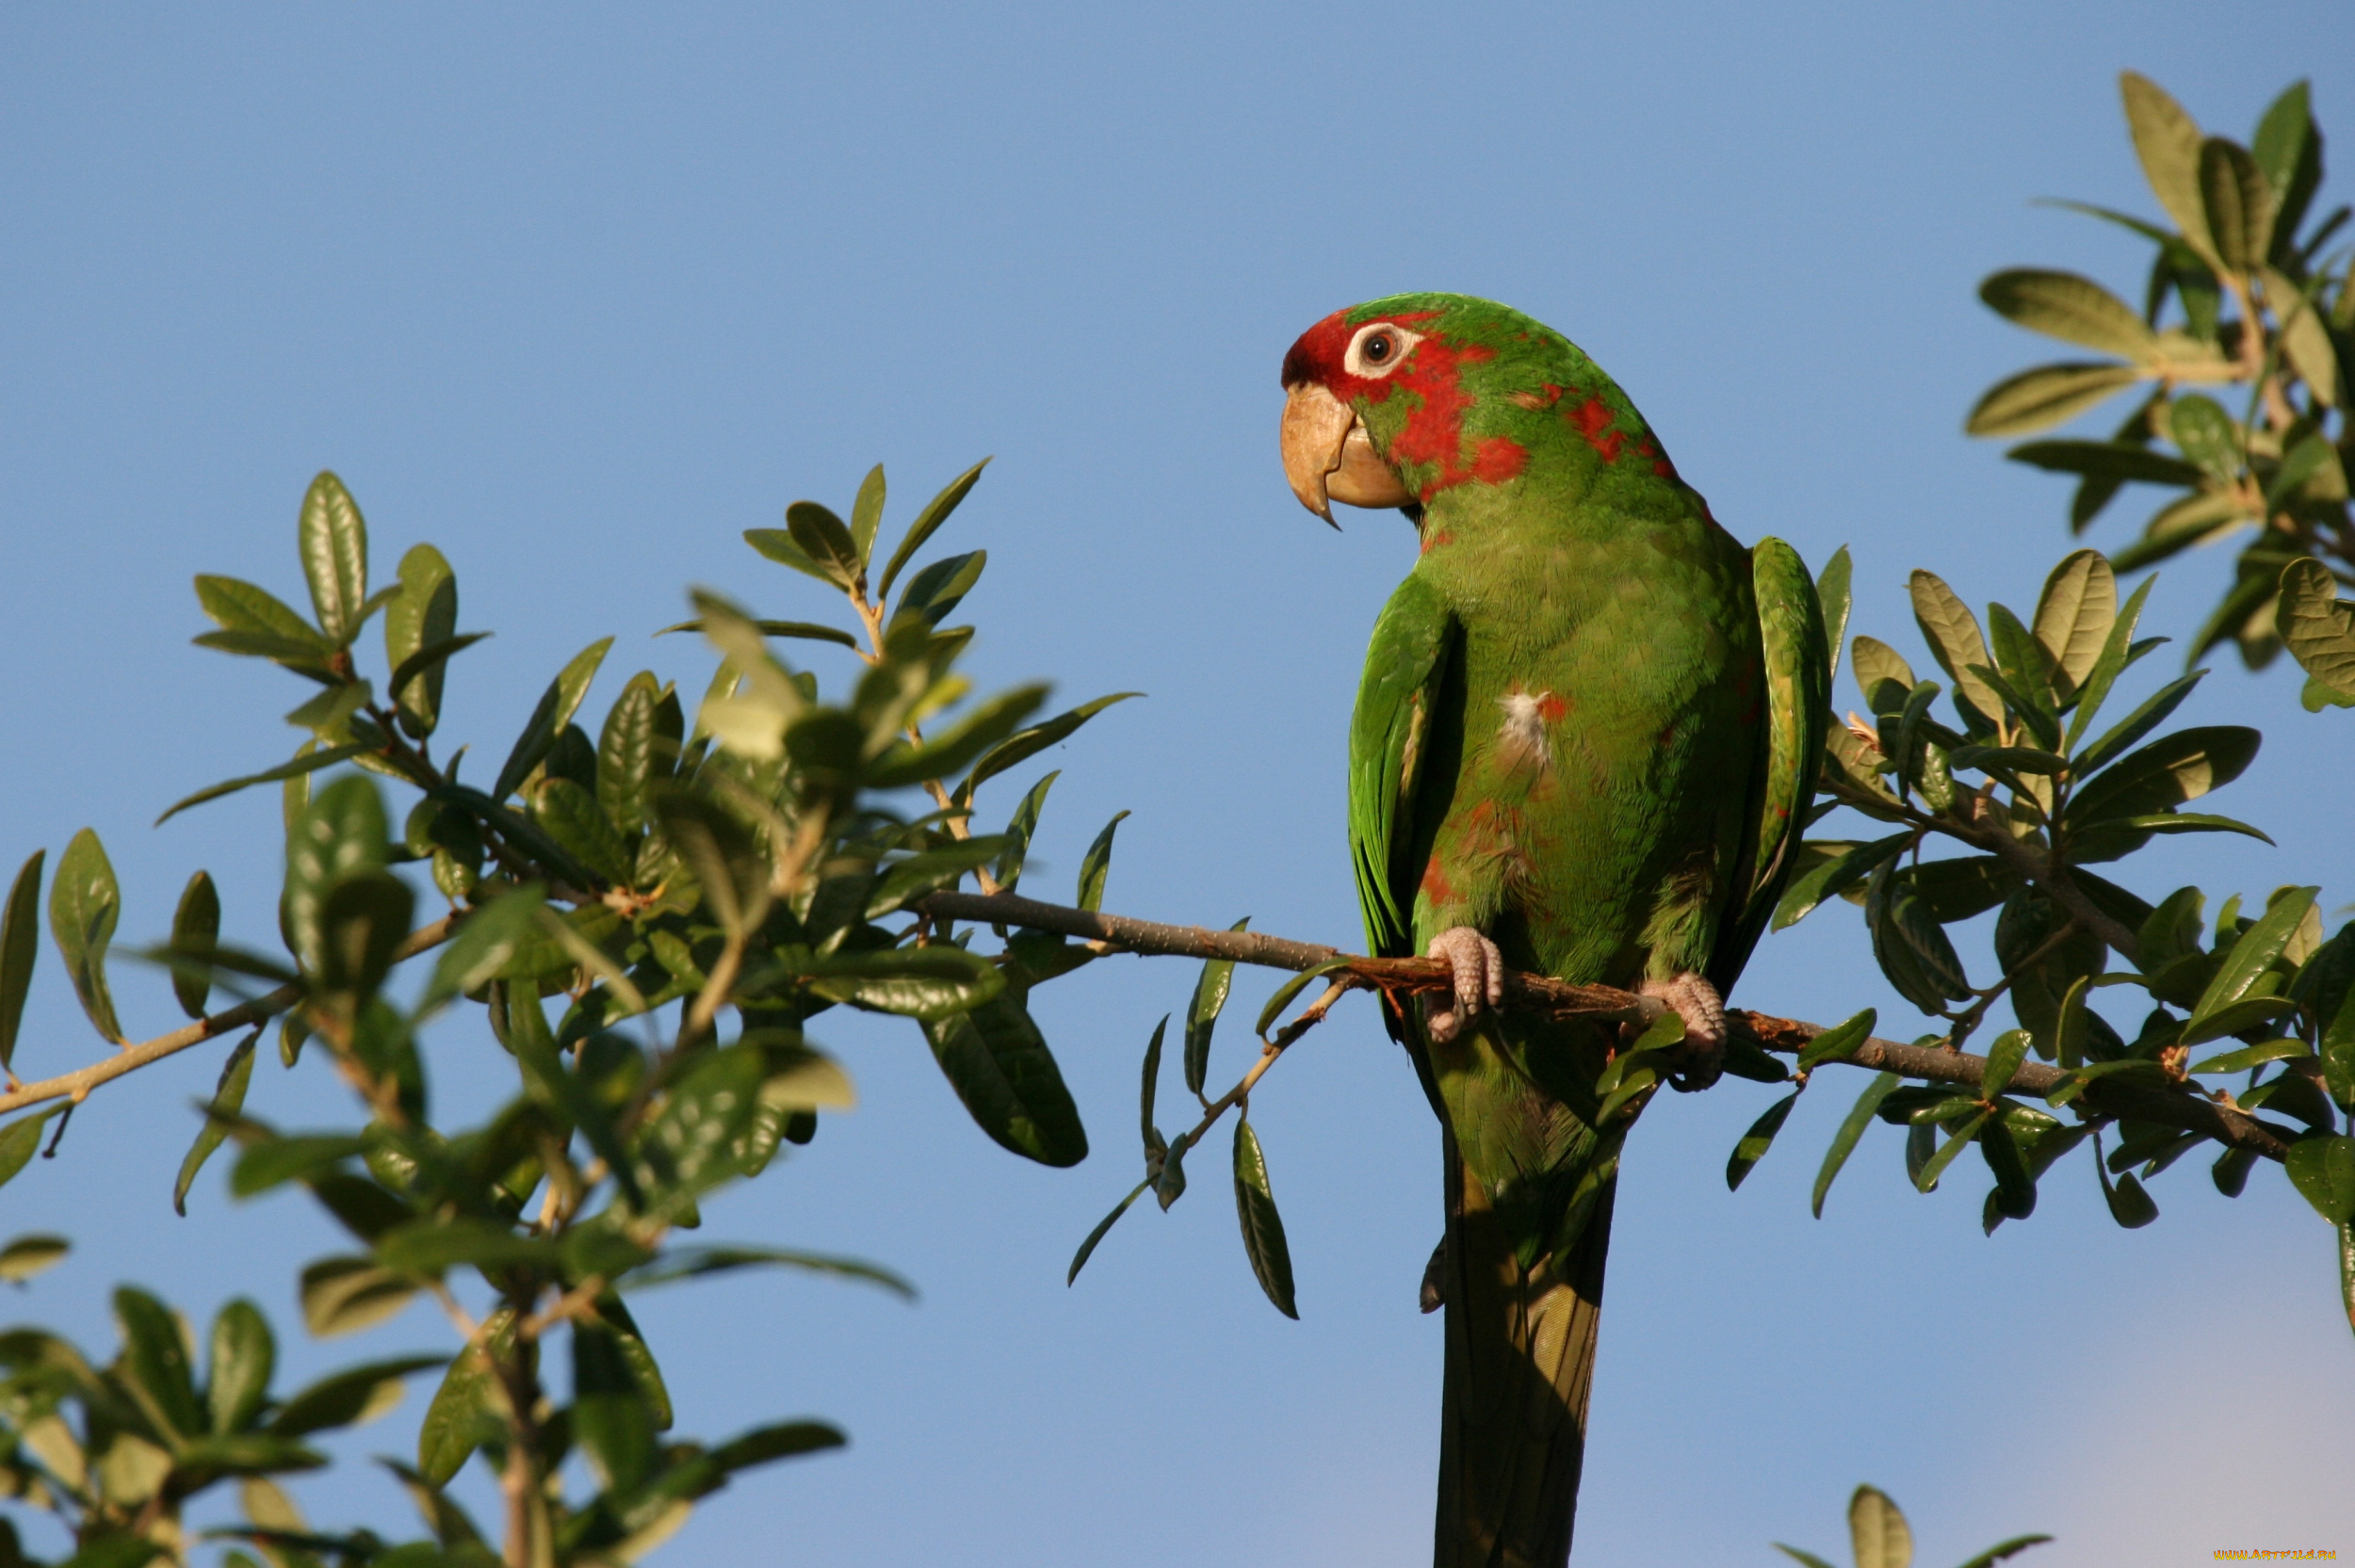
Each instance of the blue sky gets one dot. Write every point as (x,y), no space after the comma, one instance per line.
(579,295)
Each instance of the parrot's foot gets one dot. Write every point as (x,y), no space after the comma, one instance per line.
(1696,1001)
(1479,971)
(1434,1294)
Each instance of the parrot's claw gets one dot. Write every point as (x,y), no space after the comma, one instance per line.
(1696,1001)
(1479,971)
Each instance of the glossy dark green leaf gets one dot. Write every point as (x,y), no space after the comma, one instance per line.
(1008,871)
(484,947)
(2014,1197)
(998,1062)
(244,1359)
(19,948)
(2003,1057)
(156,1363)
(334,543)
(341,834)
(228,1100)
(1024,744)
(933,593)
(274,1161)
(2323,1171)
(420,636)
(867,513)
(628,753)
(1927,1178)
(361,923)
(727,860)
(571,815)
(1829,877)
(1754,1143)
(2170,772)
(1262,1227)
(927,523)
(556,709)
(1154,1145)
(1103,1228)
(2044,396)
(1209,998)
(903,881)
(931,984)
(824,538)
(951,751)
(1097,864)
(195,930)
(1835,1044)
(2247,1057)
(1911,948)
(2252,956)
(1284,994)
(426,1248)
(610,1422)
(683,1150)
(84,902)
(2130,1206)
(778,546)
(463,1409)
(2003,1550)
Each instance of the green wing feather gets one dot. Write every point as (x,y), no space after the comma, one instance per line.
(1797,660)
(1405,664)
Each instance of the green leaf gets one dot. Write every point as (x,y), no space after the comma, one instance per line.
(1829,877)
(903,881)
(2285,151)
(245,1357)
(2116,461)
(2238,204)
(610,1422)
(557,706)
(866,514)
(1097,864)
(2003,1550)
(1024,744)
(2130,1206)
(2171,771)
(334,543)
(807,631)
(1154,1145)
(236,605)
(426,1248)
(156,1364)
(420,635)
(28,1256)
(350,1398)
(2250,957)
(2073,616)
(2323,1171)
(195,929)
(1103,1228)
(361,923)
(690,1263)
(997,1061)
(2073,309)
(84,902)
(2167,141)
(1910,945)
(274,1161)
(930,984)
(1809,1559)
(1832,594)
(927,522)
(1927,1178)
(2114,650)
(1008,871)
(938,590)
(683,1149)
(305,760)
(571,815)
(343,1295)
(228,1100)
(2248,1057)
(485,942)
(1835,1044)
(981,727)
(2199,426)
(19,948)
(1209,998)
(631,751)
(823,538)
(1754,1143)
(1262,1227)
(778,546)
(2127,731)
(2181,524)
(19,1138)
(465,1407)
(2045,396)
(1876,661)
(2004,1057)
(341,834)
(1878,1531)
(2317,628)
(1292,988)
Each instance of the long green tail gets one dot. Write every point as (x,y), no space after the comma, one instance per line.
(1521,1360)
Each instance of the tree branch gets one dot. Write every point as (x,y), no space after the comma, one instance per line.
(77,1083)
(2187,1109)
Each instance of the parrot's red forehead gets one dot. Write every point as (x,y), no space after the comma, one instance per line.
(1319,354)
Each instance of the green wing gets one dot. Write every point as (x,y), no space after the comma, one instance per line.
(1405,663)
(1798,668)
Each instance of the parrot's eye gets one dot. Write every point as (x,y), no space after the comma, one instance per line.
(1379,347)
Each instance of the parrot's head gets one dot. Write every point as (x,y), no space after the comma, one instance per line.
(1393,402)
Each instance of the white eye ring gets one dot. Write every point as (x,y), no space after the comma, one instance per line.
(1379,347)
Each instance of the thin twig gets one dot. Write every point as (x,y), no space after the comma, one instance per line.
(77,1083)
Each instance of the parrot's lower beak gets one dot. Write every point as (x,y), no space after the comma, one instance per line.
(1328,457)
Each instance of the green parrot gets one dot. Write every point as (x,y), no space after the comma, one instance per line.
(1585,745)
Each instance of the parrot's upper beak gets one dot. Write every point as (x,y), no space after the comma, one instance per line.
(1328,457)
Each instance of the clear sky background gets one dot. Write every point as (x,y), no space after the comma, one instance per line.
(578,294)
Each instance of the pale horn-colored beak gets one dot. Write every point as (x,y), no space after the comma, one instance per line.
(1328,457)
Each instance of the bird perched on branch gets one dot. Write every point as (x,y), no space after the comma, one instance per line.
(1584,745)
